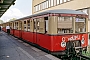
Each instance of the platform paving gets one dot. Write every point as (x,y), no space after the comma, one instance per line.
(12,48)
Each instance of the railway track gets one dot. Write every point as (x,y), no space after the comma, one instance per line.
(79,57)
(82,57)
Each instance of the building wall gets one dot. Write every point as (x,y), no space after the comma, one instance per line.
(70,4)
(42,5)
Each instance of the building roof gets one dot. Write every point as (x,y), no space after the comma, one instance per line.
(4,5)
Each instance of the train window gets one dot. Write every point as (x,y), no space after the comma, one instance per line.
(60,30)
(64,25)
(28,25)
(41,25)
(37,23)
(24,22)
(25,26)
(34,24)
(20,25)
(67,18)
(63,30)
(11,25)
(80,25)
(16,25)
(46,24)
(64,19)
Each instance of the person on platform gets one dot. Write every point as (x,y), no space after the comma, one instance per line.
(8,29)
(0,28)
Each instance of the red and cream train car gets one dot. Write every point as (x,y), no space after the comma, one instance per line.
(58,31)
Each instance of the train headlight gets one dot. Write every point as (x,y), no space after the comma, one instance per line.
(82,41)
(63,44)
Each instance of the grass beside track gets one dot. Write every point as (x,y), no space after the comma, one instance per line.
(87,53)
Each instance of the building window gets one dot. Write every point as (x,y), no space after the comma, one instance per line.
(42,5)
(65,0)
(49,1)
(61,1)
(46,4)
(39,7)
(57,2)
(36,8)
(68,0)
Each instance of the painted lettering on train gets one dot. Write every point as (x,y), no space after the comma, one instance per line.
(77,37)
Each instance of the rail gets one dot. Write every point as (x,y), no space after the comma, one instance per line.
(82,57)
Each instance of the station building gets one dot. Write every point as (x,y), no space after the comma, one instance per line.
(43,5)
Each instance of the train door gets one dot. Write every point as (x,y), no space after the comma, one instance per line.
(46,24)
(35,31)
(40,26)
(20,28)
(13,27)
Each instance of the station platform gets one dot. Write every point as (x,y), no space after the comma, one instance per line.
(12,48)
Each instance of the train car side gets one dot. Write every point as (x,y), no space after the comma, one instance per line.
(55,30)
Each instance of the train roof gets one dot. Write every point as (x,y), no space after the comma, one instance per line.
(60,11)
(57,11)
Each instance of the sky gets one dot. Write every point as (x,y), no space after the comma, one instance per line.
(21,9)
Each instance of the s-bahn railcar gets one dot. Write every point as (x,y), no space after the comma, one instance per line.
(60,31)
